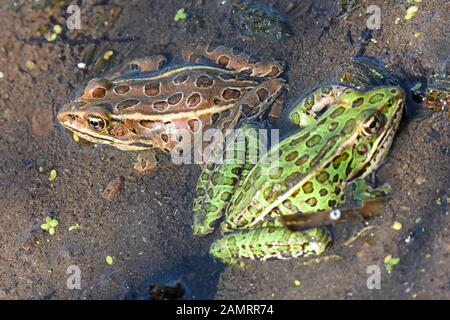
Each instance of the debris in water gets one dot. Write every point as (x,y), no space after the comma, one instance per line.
(112,189)
(75,227)
(108,54)
(109,260)
(53,175)
(397,226)
(30,65)
(411,12)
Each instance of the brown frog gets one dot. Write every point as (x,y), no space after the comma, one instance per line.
(145,106)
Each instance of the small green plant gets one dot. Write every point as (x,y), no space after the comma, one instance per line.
(390,262)
(50,225)
(180,15)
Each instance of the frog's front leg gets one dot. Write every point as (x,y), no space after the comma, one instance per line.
(308,110)
(361,191)
(270,243)
(236,59)
(146,162)
(144,64)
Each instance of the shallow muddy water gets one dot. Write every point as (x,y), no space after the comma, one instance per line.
(147,228)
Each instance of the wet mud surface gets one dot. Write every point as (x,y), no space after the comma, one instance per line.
(147,227)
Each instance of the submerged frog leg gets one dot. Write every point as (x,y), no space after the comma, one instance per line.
(221,177)
(308,110)
(270,243)
(236,59)
(255,102)
(276,110)
(364,191)
(144,64)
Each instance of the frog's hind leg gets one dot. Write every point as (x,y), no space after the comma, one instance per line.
(256,102)
(236,59)
(308,110)
(144,64)
(220,178)
(270,243)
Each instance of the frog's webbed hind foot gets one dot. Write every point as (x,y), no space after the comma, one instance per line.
(144,64)
(236,59)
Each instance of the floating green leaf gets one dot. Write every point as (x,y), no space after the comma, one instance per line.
(109,260)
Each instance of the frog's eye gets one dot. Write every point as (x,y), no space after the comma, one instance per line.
(97,123)
(374,124)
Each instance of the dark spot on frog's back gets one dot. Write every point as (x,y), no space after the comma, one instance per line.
(127,104)
(204,81)
(223,61)
(337,112)
(274,72)
(175,98)
(98,93)
(152,89)
(291,156)
(314,140)
(160,105)
(182,78)
(122,89)
(262,94)
(193,100)
(376,98)
(231,94)
(357,102)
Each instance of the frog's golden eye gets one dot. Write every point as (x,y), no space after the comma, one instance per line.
(97,123)
(374,124)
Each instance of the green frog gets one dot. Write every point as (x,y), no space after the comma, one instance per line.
(345,134)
